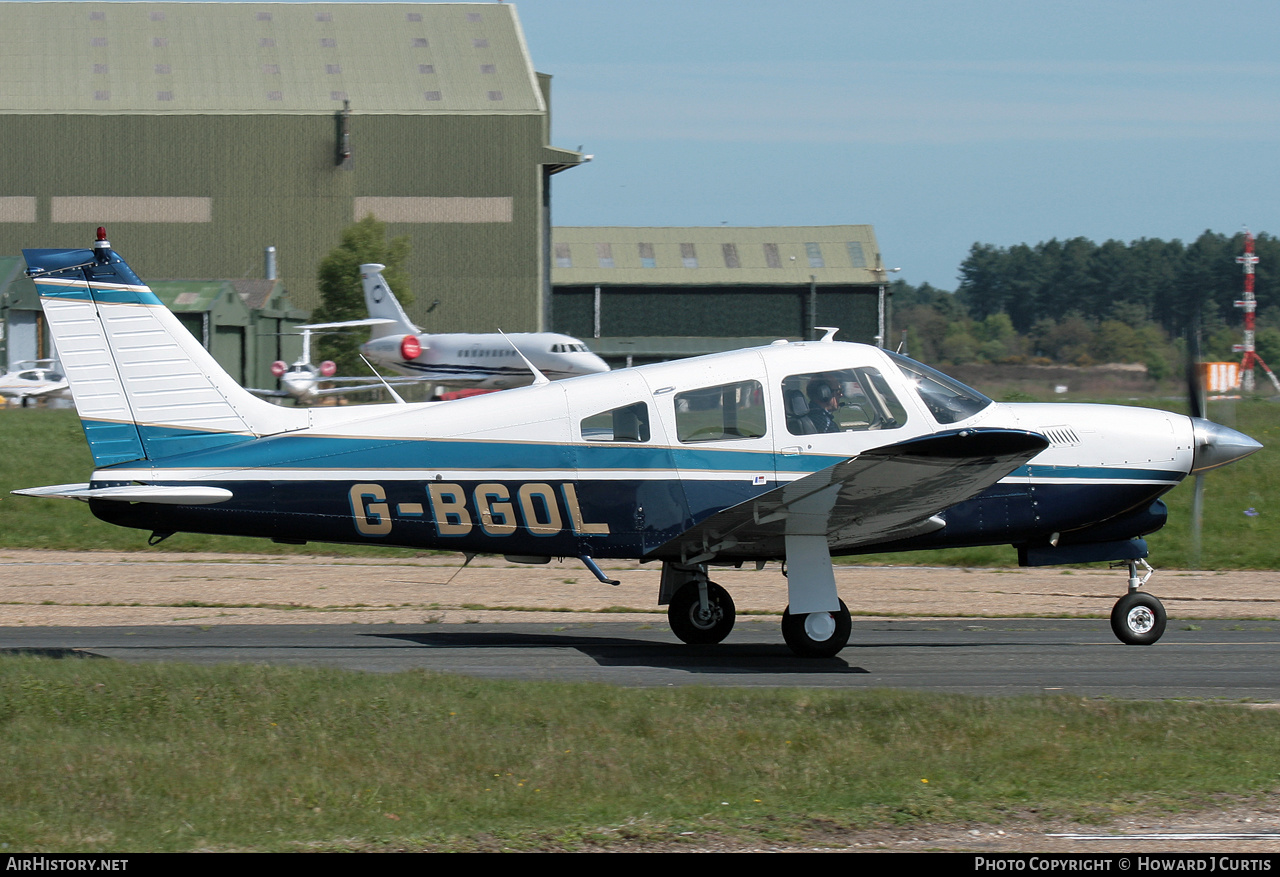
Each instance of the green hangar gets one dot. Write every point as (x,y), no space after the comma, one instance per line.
(200,134)
(648,294)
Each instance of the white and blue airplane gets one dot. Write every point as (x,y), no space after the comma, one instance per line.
(33,380)
(481,361)
(791,452)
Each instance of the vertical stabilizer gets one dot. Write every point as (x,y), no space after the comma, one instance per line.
(383,305)
(144,387)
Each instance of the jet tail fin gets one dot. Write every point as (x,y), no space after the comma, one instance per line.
(143,385)
(383,305)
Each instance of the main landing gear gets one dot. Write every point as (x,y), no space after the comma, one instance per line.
(1138,618)
(817,634)
(702,613)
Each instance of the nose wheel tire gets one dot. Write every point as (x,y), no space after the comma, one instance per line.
(1138,619)
(695,626)
(817,634)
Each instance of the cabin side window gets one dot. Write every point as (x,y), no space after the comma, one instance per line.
(847,400)
(629,423)
(728,411)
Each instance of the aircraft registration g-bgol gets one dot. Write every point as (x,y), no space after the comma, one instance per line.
(491,361)
(721,459)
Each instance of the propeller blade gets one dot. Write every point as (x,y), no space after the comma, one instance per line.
(1195,385)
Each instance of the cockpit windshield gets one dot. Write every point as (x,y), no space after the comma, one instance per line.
(948,400)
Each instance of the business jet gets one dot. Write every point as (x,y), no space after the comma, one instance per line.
(301,379)
(493,361)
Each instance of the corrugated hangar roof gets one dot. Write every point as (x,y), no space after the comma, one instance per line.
(109,57)
(715,255)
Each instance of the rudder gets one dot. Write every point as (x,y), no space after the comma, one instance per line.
(144,387)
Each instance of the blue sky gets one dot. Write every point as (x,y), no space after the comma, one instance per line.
(940,123)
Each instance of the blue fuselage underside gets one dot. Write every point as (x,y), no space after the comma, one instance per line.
(606,518)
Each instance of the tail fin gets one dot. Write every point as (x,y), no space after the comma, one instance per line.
(143,385)
(383,305)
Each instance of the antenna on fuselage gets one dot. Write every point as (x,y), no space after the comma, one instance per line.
(831,333)
(538,377)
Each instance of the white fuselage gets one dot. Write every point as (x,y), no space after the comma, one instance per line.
(34,383)
(486,361)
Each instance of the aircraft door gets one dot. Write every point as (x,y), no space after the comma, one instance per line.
(825,414)
(626,483)
(718,428)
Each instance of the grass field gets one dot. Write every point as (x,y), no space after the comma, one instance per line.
(48,447)
(101,756)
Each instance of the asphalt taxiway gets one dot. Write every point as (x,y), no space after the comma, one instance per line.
(1233,660)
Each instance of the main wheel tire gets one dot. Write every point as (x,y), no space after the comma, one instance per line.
(1138,619)
(817,634)
(691,624)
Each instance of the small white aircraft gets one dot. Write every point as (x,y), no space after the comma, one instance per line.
(791,452)
(34,380)
(494,361)
(301,380)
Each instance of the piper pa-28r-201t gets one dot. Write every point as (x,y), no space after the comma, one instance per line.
(789,452)
(489,361)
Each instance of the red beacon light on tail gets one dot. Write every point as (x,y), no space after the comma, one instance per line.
(410,348)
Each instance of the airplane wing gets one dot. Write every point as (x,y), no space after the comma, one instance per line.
(366,379)
(334,391)
(51,390)
(270,394)
(879,496)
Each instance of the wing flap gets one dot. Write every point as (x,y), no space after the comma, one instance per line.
(881,495)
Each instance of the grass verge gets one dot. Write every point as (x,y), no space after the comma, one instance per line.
(105,756)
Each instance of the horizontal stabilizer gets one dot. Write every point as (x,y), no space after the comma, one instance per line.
(165,494)
(346,324)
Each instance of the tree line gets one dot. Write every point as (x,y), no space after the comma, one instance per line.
(1078,302)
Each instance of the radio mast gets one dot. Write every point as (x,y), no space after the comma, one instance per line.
(1250,305)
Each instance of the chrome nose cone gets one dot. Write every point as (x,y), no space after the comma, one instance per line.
(1218,445)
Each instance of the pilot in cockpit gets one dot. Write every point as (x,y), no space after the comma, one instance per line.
(824,399)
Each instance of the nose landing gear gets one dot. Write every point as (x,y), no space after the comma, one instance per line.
(1138,618)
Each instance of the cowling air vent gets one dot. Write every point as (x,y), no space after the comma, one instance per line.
(1060,436)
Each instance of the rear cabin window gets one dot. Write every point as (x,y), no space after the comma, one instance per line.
(847,400)
(629,423)
(728,411)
